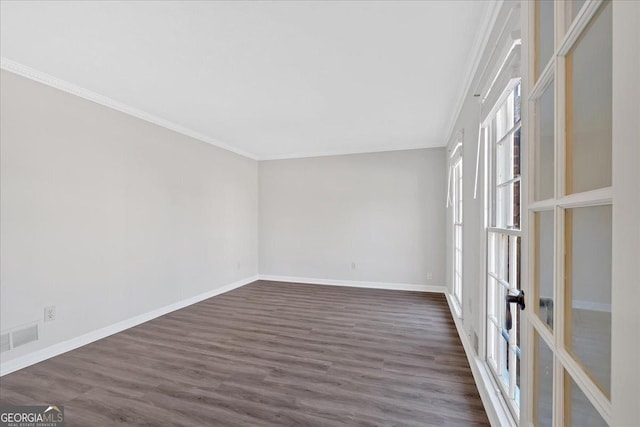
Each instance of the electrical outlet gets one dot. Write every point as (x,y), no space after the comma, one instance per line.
(353,265)
(50,313)
(429,276)
(238,265)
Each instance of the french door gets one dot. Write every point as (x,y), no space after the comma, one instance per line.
(570,213)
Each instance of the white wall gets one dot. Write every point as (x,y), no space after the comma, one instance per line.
(382,211)
(472,219)
(107,216)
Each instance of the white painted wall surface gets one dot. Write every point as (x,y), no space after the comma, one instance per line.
(383,212)
(107,216)
(472,218)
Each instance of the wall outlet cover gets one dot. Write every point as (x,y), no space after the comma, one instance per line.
(50,313)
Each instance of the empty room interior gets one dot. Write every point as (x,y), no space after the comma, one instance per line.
(320,213)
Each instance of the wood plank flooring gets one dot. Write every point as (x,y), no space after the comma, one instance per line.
(269,354)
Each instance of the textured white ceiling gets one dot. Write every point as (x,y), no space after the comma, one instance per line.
(273,79)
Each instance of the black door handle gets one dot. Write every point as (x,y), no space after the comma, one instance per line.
(511,299)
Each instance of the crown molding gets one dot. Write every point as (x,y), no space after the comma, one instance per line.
(44,78)
(477,51)
(329,153)
(65,86)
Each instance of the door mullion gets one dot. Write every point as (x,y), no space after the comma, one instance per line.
(559,191)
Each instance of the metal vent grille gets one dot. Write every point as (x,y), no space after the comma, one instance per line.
(25,335)
(5,343)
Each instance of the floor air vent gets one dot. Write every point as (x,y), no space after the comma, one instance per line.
(24,335)
(18,337)
(5,343)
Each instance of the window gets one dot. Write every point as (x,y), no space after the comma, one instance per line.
(456,165)
(504,243)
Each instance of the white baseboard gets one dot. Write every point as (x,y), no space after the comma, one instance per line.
(355,283)
(497,412)
(73,343)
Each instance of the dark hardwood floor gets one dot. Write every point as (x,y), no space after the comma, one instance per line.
(269,354)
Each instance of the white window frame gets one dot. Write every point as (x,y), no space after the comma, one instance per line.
(495,308)
(457,233)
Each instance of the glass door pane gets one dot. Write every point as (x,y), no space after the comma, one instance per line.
(579,412)
(572,7)
(588,290)
(543,383)
(543,270)
(588,106)
(545,145)
(544,30)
